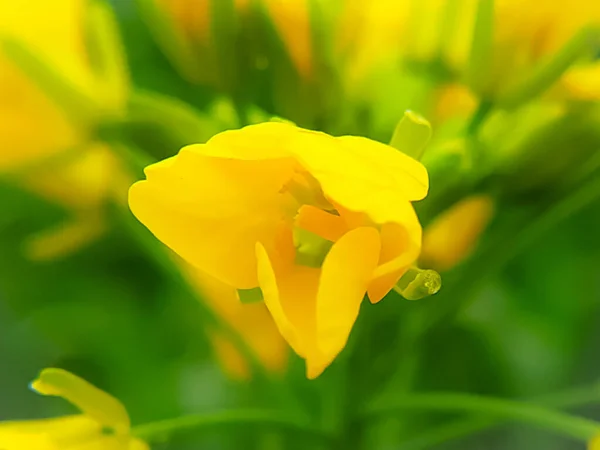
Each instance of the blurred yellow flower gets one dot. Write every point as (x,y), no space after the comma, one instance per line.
(583,82)
(252,321)
(103,425)
(292,21)
(313,220)
(453,100)
(31,125)
(196,34)
(438,31)
(524,36)
(594,444)
(42,147)
(452,236)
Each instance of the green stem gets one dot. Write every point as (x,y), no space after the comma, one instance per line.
(157,431)
(580,396)
(533,414)
(484,108)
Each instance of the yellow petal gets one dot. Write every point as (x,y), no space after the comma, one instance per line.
(47,434)
(93,402)
(16,440)
(103,443)
(291,300)
(212,211)
(396,256)
(347,159)
(346,273)
(269,140)
(400,170)
(362,175)
(137,444)
(400,248)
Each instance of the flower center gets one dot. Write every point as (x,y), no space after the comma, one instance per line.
(306,190)
(311,249)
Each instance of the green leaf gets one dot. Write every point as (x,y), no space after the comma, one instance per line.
(411,135)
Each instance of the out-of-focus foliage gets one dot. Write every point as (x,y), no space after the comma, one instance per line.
(504,113)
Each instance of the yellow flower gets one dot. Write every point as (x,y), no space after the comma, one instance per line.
(40,145)
(252,321)
(453,234)
(260,207)
(594,444)
(103,423)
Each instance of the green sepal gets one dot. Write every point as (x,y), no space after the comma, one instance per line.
(253,295)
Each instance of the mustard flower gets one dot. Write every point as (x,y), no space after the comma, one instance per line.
(103,423)
(453,235)
(594,444)
(315,221)
(252,321)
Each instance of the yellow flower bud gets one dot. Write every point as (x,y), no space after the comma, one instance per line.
(292,20)
(583,83)
(453,100)
(227,207)
(103,422)
(453,235)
